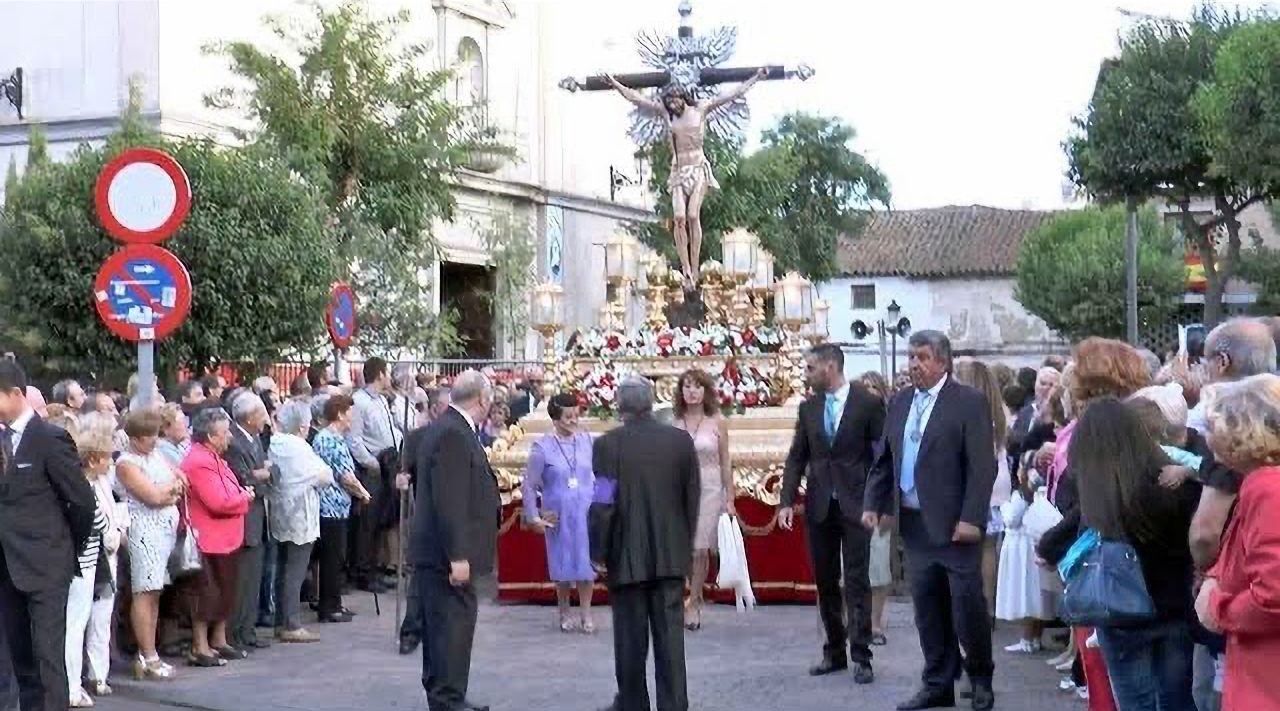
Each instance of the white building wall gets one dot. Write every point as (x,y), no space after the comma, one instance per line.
(978,315)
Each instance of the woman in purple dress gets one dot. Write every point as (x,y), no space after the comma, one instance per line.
(560,480)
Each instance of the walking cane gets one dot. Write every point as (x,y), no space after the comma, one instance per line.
(400,536)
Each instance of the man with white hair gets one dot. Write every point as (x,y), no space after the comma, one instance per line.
(455,539)
(655,468)
(1235,350)
(248,460)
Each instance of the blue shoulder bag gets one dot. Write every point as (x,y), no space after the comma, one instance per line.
(1104,587)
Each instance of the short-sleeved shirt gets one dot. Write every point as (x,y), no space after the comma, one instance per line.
(335,502)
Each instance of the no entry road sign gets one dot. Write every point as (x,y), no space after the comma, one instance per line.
(142,196)
(143,293)
(340,315)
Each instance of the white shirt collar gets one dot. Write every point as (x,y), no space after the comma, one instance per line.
(937,388)
(466,415)
(841,393)
(19,425)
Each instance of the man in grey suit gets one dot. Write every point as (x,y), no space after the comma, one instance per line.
(936,473)
(249,462)
(655,468)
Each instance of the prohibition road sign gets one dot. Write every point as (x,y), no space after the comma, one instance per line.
(142,293)
(142,196)
(340,315)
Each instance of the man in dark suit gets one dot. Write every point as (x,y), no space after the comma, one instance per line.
(655,468)
(937,471)
(46,517)
(247,459)
(455,539)
(836,430)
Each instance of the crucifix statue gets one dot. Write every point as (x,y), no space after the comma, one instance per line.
(687,102)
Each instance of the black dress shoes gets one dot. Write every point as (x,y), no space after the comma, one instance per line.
(862,673)
(984,699)
(927,699)
(829,665)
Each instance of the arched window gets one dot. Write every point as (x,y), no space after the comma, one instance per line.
(470,85)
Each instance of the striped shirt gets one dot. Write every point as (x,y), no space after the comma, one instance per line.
(92,549)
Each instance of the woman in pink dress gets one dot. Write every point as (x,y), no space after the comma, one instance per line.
(697,411)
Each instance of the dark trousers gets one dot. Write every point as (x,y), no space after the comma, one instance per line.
(826,539)
(950,606)
(267,592)
(8,683)
(365,519)
(639,609)
(292,570)
(449,614)
(35,627)
(243,626)
(333,550)
(1150,666)
(411,627)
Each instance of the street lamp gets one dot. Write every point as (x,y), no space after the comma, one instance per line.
(793,308)
(547,318)
(739,251)
(892,326)
(620,270)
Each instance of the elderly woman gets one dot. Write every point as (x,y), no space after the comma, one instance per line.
(1240,598)
(294,509)
(175,437)
(559,477)
(330,444)
(152,489)
(217,505)
(80,596)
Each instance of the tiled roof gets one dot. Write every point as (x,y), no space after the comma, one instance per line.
(940,242)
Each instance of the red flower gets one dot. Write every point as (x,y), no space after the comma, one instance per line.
(748,337)
(751,400)
(725,400)
(614,343)
(665,341)
(707,348)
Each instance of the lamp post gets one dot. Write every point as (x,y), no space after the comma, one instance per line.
(793,308)
(547,318)
(761,285)
(620,269)
(892,326)
(740,250)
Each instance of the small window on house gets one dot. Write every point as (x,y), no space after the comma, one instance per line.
(864,296)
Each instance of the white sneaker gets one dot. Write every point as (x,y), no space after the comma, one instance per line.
(1024,646)
(1083,693)
(1066,684)
(80,699)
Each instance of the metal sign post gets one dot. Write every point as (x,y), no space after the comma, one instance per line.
(142,292)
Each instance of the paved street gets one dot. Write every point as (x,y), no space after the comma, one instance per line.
(738,661)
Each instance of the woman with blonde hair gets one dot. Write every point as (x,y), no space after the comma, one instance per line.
(1240,598)
(152,488)
(696,408)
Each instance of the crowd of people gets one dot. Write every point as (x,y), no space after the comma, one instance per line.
(126,521)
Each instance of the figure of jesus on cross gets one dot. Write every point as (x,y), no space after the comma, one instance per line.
(691,174)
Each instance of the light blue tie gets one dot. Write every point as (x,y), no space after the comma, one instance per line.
(911,448)
(829,421)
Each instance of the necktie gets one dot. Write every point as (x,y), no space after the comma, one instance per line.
(829,419)
(911,445)
(6,448)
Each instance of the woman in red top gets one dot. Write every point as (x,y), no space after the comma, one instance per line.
(217,505)
(1241,596)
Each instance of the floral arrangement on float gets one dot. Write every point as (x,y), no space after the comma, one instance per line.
(739,385)
(702,341)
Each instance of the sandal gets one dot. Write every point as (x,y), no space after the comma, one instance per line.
(230,654)
(205,661)
(152,670)
(878,639)
(588,627)
(567,625)
(100,688)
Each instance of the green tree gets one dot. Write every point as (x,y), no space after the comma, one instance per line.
(802,191)
(355,114)
(1239,109)
(255,244)
(1141,137)
(1071,272)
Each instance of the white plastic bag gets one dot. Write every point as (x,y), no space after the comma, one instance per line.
(1041,516)
(733,563)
